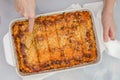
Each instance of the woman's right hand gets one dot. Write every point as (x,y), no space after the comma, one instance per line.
(27,9)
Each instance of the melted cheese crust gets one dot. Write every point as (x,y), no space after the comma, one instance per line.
(58,41)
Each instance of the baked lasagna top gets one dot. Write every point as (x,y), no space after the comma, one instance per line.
(58,41)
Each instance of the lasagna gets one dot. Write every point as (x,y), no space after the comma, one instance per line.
(58,41)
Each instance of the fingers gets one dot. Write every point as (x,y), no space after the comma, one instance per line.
(108,27)
(112,34)
(105,34)
(109,33)
(31,18)
(31,24)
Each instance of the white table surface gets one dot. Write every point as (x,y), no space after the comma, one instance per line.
(108,69)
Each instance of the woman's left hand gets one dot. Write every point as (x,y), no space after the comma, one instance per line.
(109,28)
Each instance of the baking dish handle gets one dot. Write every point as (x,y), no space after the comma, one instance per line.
(8,50)
(9,59)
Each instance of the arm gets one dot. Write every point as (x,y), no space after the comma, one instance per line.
(27,9)
(108,20)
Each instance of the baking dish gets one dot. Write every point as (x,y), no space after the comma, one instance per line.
(72,10)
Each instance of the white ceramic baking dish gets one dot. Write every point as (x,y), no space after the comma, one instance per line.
(65,69)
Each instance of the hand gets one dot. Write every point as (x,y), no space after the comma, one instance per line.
(109,29)
(27,9)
